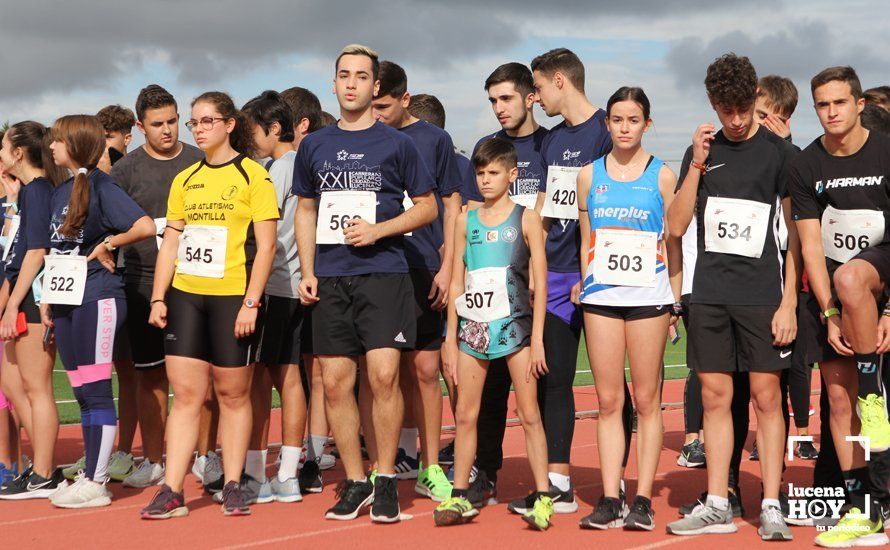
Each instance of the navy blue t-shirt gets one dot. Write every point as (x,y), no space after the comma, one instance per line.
(469,191)
(34,212)
(111,211)
(574,146)
(528,161)
(379,159)
(437,151)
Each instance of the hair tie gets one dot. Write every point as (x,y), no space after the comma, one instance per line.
(83,171)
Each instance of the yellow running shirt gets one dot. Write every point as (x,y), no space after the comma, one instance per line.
(218,204)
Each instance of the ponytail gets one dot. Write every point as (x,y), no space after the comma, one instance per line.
(84,138)
(241,138)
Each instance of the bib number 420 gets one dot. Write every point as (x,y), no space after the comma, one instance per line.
(731,231)
(564,197)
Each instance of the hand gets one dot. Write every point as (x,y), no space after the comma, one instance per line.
(245,323)
(883,334)
(158,315)
(537,364)
(8,322)
(450,354)
(439,289)
(361,233)
(575,295)
(102,254)
(784,326)
(777,126)
(46,316)
(701,142)
(835,338)
(308,290)
(11,185)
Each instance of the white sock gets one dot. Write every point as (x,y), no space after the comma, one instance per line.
(719,503)
(255,464)
(408,441)
(290,461)
(386,475)
(316,446)
(767,502)
(560,481)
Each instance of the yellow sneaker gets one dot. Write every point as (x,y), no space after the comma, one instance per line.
(873,414)
(853,531)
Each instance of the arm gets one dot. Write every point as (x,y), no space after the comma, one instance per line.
(164,269)
(305,220)
(673,246)
(442,280)
(143,228)
(585,177)
(31,265)
(449,349)
(683,206)
(361,233)
(785,319)
(534,236)
(265,232)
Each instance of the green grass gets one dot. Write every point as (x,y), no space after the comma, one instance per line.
(673,355)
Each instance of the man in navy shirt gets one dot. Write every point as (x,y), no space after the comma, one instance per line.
(351,178)
(430,253)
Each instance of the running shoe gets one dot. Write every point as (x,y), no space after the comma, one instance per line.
(85,493)
(873,413)
(432,483)
(165,504)
(326,462)
(253,491)
(30,485)
(287,490)
(352,496)
(7,474)
(121,465)
(755,455)
(482,492)
(454,511)
(70,473)
(772,525)
(385,508)
(406,466)
(735,503)
(852,531)
(474,471)
(213,474)
(806,450)
(146,475)
(641,516)
(692,455)
(234,501)
(563,501)
(310,477)
(198,466)
(704,519)
(609,513)
(539,516)
(446,455)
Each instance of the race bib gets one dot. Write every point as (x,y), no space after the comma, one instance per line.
(561,198)
(335,208)
(625,258)
(485,298)
(202,251)
(407,204)
(529,201)
(845,233)
(64,279)
(736,226)
(160,227)
(14,223)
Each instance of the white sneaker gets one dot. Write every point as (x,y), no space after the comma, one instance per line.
(146,475)
(86,493)
(198,467)
(326,462)
(77,479)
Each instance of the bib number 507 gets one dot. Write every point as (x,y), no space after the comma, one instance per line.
(477,300)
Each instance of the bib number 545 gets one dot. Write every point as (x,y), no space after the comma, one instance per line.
(199,255)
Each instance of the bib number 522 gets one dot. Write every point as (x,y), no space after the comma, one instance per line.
(61,284)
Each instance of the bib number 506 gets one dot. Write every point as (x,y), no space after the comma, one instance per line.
(851,242)
(731,231)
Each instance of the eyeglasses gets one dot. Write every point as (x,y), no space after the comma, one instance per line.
(206,123)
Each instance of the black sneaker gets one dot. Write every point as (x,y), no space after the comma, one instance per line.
(609,513)
(754,454)
(482,492)
(563,502)
(806,450)
(234,501)
(29,485)
(692,455)
(735,502)
(352,496)
(386,500)
(641,517)
(446,455)
(310,477)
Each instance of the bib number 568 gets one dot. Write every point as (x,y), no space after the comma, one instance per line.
(198,255)
(731,231)
(339,222)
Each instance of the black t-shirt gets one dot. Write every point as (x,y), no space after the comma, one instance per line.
(755,170)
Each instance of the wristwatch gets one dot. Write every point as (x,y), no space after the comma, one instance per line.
(250,304)
(108,245)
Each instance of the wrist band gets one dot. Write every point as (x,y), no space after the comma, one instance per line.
(831,312)
(703,168)
(153,302)
(677,309)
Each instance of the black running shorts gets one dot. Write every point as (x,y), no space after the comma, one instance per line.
(430,323)
(146,341)
(282,325)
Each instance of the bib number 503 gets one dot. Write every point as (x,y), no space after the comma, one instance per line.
(621,262)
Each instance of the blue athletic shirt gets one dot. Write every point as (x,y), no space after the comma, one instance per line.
(631,205)
(34,215)
(437,151)
(469,191)
(111,211)
(573,146)
(379,159)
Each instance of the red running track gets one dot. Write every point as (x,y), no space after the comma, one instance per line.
(36,524)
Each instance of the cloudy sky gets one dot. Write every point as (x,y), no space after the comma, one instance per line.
(65,57)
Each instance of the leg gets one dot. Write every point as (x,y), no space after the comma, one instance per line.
(366,414)
(858,287)
(127,404)
(318,422)
(526,389)
(492,421)
(841,378)
(741,412)
(342,411)
(645,351)
(208,423)
(12,386)
(766,397)
(717,392)
(827,470)
(388,407)
(232,387)
(35,366)
(190,381)
(556,398)
(606,335)
(471,373)
(692,407)
(152,399)
(428,403)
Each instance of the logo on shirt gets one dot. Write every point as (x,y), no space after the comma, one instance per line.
(509,234)
(866,181)
(354,176)
(343,154)
(569,155)
(600,189)
(491,236)
(522,164)
(229,193)
(622,214)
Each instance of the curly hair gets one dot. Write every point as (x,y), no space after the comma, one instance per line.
(731,81)
(115,118)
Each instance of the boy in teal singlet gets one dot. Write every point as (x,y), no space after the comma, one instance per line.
(490,315)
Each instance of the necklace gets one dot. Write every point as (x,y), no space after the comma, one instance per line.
(623,169)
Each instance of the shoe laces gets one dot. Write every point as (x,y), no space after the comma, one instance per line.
(543,504)
(233,496)
(386,487)
(346,488)
(773,515)
(640,507)
(874,411)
